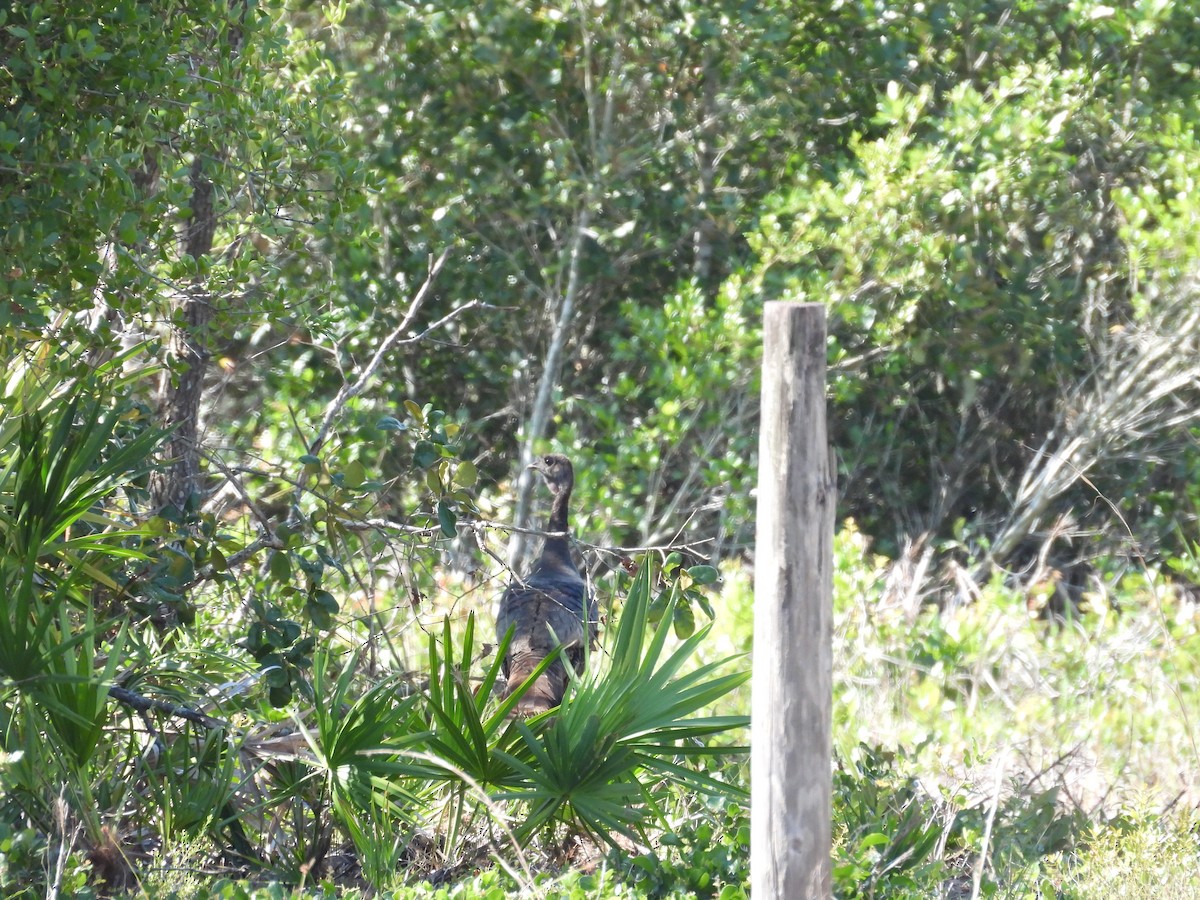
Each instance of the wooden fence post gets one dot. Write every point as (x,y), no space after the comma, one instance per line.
(792,687)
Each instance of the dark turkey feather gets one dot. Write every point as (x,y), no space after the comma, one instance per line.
(550,606)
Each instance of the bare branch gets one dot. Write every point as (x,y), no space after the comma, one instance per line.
(348,391)
(144,704)
(235,483)
(450,316)
(540,413)
(695,547)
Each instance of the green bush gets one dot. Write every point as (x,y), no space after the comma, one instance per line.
(973,261)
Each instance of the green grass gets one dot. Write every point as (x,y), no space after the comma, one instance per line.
(982,747)
(1076,738)
(1153,859)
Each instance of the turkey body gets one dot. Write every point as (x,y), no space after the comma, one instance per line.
(548,607)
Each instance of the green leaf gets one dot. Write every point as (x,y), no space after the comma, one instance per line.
(875,839)
(701,600)
(672,562)
(704,574)
(127,231)
(658,606)
(355,474)
(604,761)
(275,673)
(320,617)
(325,600)
(321,608)
(425,454)
(685,621)
(465,475)
(280,694)
(281,566)
(446,519)
(390,423)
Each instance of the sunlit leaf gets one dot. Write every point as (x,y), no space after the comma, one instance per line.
(465,474)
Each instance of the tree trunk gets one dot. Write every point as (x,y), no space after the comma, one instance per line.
(706,156)
(182,385)
(543,403)
(183,382)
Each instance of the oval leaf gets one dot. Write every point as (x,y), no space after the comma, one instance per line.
(447,520)
(356,474)
(685,621)
(466,474)
(319,616)
(425,454)
(391,423)
(658,606)
(325,600)
(875,839)
(281,567)
(280,695)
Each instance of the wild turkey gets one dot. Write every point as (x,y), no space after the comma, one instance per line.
(550,605)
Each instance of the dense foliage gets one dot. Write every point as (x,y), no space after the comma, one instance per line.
(291,291)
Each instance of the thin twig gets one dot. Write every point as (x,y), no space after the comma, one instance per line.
(484,525)
(453,314)
(239,488)
(210,571)
(977,879)
(338,403)
(61,820)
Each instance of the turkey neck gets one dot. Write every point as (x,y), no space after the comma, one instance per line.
(557,549)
